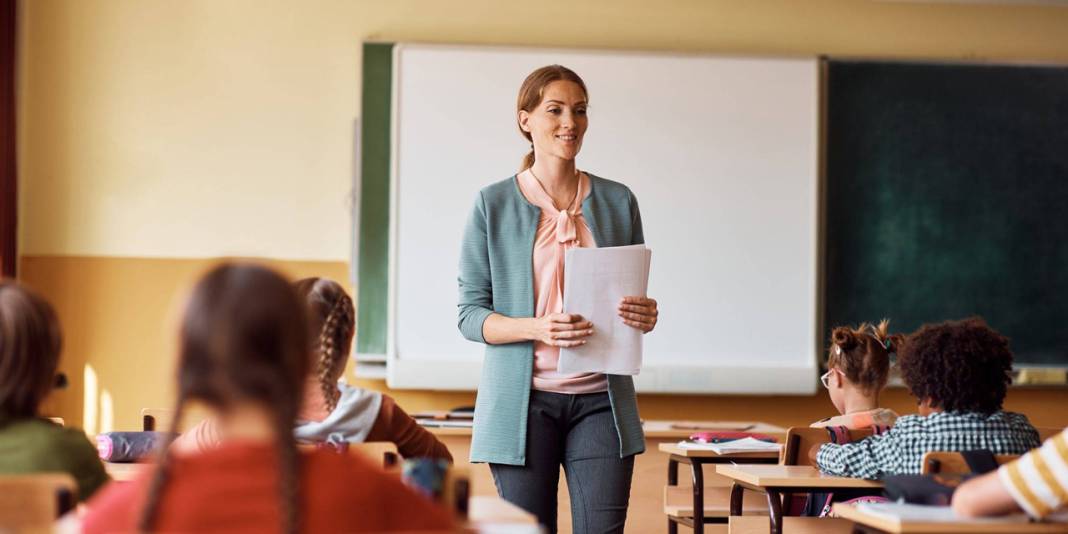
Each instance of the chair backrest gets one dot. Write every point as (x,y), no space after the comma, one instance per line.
(1045,432)
(378,451)
(156,419)
(35,501)
(953,463)
(799,440)
(383,452)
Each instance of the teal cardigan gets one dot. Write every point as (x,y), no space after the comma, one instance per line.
(497,275)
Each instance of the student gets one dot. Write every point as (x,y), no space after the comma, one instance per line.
(1036,483)
(958,371)
(244,354)
(857,367)
(335,412)
(30,343)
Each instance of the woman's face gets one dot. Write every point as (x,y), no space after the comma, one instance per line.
(559,122)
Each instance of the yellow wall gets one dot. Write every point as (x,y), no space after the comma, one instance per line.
(154,134)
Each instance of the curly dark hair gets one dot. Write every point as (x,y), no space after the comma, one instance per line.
(960,366)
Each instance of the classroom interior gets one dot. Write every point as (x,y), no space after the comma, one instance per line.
(155,137)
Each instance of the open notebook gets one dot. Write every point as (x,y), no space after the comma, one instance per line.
(918,513)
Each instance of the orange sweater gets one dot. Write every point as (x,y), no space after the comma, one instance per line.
(234,488)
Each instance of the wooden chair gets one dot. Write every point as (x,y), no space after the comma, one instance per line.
(376,451)
(953,463)
(156,419)
(799,440)
(791,525)
(34,502)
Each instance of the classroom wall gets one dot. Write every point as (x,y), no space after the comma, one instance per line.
(155,134)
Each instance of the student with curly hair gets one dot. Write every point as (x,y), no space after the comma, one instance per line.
(243,352)
(333,411)
(857,367)
(30,343)
(959,372)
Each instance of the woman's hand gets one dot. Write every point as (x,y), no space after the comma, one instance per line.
(562,329)
(639,312)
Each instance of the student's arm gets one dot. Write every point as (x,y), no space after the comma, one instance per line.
(1037,483)
(205,435)
(413,441)
(871,457)
(983,496)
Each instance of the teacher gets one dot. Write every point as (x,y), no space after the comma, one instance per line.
(529,418)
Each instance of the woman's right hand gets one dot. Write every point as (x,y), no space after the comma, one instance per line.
(562,329)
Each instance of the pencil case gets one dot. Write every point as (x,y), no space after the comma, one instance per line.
(130,446)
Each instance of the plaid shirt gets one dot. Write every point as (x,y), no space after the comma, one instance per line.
(900,450)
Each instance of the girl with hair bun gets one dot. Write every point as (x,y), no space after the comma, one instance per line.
(243,354)
(333,411)
(858,364)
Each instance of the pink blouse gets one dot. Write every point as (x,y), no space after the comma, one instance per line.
(557,231)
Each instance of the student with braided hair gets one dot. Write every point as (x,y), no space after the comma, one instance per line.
(857,368)
(333,411)
(243,354)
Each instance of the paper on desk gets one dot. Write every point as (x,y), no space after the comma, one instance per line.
(733,446)
(904,512)
(595,281)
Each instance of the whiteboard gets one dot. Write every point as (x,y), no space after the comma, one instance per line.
(722,154)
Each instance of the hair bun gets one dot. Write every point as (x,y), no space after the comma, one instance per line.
(844,338)
(894,343)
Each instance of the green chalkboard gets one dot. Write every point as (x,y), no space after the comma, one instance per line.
(946,196)
(372,280)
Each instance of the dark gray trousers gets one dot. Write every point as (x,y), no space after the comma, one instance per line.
(578,432)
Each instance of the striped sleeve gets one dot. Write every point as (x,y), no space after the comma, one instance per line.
(1038,481)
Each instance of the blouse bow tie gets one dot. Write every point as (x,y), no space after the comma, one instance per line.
(565,227)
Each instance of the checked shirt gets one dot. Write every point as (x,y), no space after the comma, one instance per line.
(900,450)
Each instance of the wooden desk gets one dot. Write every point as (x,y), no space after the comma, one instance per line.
(495,510)
(697,460)
(646,510)
(124,472)
(777,480)
(866,523)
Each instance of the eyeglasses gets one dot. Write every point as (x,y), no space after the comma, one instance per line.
(826,378)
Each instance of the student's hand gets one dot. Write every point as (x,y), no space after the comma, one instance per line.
(562,329)
(639,312)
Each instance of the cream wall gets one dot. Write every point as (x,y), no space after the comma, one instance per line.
(156,133)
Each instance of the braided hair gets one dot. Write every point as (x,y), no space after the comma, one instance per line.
(243,339)
(332,323)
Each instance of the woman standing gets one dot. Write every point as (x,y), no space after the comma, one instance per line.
(529,418)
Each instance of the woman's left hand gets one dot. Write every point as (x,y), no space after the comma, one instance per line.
(639,312)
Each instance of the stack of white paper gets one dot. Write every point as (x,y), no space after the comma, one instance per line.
(733,447)
(595,281)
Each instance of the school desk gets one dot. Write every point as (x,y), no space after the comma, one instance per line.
(776,480)
(865,523)
(646,510)
(695,516)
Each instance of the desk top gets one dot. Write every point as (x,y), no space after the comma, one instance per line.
(897,526)
(485,509)
(662,429)
(790,476)
(673,448)
(124,472)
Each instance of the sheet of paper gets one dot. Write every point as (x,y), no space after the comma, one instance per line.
(734,446)
(595,281)
(905,512)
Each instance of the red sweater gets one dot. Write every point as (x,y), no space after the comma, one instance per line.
(234,488)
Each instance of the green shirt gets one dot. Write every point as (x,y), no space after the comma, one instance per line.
(40,446)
